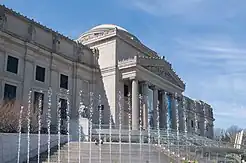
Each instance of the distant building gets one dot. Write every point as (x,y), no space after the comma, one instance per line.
(106,60)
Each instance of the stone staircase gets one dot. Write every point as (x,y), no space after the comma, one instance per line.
(148,154)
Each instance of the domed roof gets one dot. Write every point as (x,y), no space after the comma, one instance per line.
(98,30)
(108,26)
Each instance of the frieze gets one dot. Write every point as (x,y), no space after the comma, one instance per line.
(31,33)
(161,71)
(96,35)
(3,19)
(79,52)
(55,42)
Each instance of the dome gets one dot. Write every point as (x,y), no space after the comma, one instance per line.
(107,26)
(98,31)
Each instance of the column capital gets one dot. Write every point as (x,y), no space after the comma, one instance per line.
(163,92)
(169,94)
(133,78)
(146,83)
(153,87)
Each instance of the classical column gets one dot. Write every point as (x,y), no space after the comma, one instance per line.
(163,115)
(173,106)
(145,105)
(135,105)
(155,103)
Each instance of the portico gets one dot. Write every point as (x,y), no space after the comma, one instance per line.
(141,81)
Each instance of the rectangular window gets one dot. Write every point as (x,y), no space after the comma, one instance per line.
(12,64)
(126,91)
(38,100)
(198,125)
(63,108)
(64,81)
(101,107)
(192,123)
(40,74)
(9,92)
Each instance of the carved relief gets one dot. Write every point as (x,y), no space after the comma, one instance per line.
(79,52)
(31,33)
(160,71)
(56,42)
(97,35)
(96,53)
(3,20)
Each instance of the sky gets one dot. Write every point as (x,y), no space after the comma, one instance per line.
(203,39)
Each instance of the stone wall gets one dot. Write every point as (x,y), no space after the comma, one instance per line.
(9,145)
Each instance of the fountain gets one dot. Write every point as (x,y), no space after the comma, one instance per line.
(39,122)
(140,125)
(149,127)
(158,129)
(80,110)
(91,116)
(185,123)
(100,127)
(29,124)
(68,125)
(120,122)
(59,127)
(110,137)
(177,119)
(49,120)
(168,122)
(140,150)
(129,125)
(19,138)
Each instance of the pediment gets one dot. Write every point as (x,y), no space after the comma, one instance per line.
(168,75)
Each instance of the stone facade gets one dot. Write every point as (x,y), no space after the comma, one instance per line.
(106,60)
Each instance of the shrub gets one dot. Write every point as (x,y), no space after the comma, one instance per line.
(10,115)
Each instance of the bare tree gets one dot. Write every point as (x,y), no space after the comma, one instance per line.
(232,131)
(10,115)
(218,133)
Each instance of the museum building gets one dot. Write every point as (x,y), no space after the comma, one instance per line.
(106,66)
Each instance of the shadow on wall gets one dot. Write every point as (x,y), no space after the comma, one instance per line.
(97,89)
(105,108)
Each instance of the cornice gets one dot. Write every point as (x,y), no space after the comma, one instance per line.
(35,47)
(90,37)
(38,24)
(158,78)
(126,63)
(108,69)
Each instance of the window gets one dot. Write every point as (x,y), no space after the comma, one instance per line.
(126,90)
(38,97)
(198,125)
(192,123)
(101,107)
(40,74)
(63,108)
(64,81)
(9,92)
(12,64)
